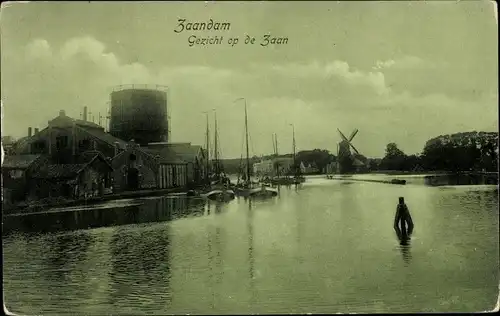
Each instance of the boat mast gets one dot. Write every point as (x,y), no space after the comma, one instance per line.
(276,142)
(216,151)
(274,145)
(208,150)
(293,145)
(246,138)
(277,153)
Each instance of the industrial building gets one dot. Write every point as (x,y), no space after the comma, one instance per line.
(139,113)
(136,150)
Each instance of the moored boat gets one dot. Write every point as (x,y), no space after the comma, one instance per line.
(248,188)
(219,194)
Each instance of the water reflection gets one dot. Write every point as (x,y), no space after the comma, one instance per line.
(405,247)
(137,211)
(251,260)
(140,260)
(63,253)
(329,248)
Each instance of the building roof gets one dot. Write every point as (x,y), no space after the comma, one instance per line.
(90,128)
(164,155)
(357,163)
(175,152)
(87,124)
(186,151)
(91,155)
(105,137)
(88,156)
(19,161)
(8,140)
(66,171)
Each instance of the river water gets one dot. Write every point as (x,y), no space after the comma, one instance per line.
(325,247)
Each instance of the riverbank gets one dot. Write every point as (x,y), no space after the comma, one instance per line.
(393,181)
(437,179)
(37,206)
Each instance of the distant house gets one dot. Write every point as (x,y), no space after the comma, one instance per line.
(272,167)
(263,168)
(358,165)
(8,143)
(331,168)
(72,181)
(16,171)
(309,168)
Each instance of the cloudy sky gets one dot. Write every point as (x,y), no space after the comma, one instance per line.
(400,72)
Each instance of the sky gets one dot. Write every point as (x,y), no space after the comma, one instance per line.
(400,72)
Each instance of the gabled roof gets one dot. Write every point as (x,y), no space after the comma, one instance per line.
(164,155)
(19,161)
(66,171)
(105,137)
(64,120)
(140,150)
(89,156)
(357,162)
(87,124)
(186,151)
(176,152)
(8,140)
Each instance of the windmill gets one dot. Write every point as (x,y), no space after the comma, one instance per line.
(346,161)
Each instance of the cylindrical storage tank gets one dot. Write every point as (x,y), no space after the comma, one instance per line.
(139,114)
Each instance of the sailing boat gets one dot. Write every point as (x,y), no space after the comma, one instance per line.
(218,183)
(298,177)
(247,188)
(275,177)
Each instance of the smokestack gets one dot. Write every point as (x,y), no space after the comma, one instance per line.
(36,130)
(30,132)
(62,113)
(84,113)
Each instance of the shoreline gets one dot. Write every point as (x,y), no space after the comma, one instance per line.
(26,209)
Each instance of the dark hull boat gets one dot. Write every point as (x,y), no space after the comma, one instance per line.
(223,195)
(257,192)
(219,185)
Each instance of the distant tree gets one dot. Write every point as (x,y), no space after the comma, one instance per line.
(394,159)
(318,157)
(461,152)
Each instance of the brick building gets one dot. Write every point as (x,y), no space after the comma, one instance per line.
(65,138)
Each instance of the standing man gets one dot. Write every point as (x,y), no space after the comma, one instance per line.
(403,223)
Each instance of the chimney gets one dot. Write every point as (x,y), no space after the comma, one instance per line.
(62,113)
(84,113)
(36,130)
(30,132)
(117,148)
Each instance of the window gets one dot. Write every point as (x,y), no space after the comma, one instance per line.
(16,174)
(84,144)
(132,157)
(61,142)
(39,146)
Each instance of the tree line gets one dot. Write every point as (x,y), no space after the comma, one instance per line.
(470,151)
(456,152)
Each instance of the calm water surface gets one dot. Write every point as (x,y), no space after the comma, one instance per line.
(326,247)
